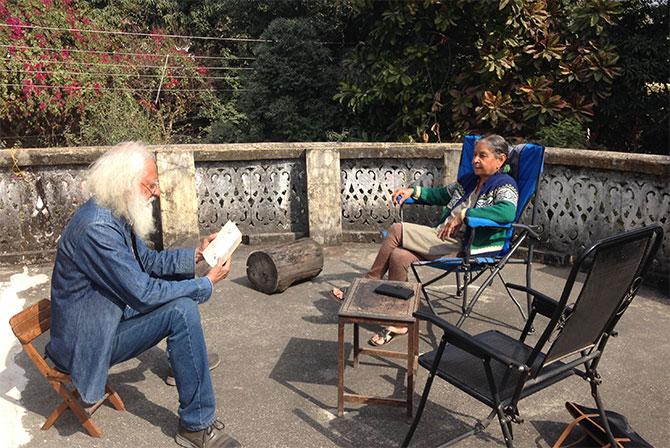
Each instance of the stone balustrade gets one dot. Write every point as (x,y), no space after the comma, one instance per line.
(333,192)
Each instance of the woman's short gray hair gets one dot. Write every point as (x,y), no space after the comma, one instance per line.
(496,144)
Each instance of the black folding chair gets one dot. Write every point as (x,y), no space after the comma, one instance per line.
(499,370)
(527,163)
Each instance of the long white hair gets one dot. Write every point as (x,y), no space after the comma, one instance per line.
(113,181)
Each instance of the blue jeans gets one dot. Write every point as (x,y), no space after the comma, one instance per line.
(179,321)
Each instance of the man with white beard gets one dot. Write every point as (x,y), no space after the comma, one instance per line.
(112,298)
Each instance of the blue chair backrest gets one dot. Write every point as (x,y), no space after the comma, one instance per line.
(467,153)
(526,170)
(526,162)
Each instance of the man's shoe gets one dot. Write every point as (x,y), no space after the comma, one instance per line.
(213,360)
(211,437)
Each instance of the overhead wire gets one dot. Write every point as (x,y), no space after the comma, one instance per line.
(136,34)
(103,64)
(136,75)
(66,87)
(130,33)
(154,55)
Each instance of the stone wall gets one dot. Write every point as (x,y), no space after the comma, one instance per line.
(331,191)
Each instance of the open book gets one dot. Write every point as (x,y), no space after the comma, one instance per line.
(225,243)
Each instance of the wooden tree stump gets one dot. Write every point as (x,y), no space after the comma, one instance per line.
(276,268)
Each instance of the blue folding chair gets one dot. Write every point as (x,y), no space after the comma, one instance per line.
(526,162)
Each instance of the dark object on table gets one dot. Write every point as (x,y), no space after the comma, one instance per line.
(276,268)
(399,292)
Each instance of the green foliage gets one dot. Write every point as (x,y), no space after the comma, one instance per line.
(227,123)
(635,118)
(565,133)
(422,70)
(56,80)
(431,69)
(117,117)
(288,96)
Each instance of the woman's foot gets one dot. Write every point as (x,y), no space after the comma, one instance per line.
(386,335)
(338,293)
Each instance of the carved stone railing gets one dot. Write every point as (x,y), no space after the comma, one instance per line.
(333,192)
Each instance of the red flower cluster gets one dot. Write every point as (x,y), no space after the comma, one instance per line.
(17,27)
(59,73)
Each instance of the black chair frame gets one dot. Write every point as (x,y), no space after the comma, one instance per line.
(514,370)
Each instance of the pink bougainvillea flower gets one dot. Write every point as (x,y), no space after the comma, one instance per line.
(28,87)
(16,26)
(157,39)
(41,39)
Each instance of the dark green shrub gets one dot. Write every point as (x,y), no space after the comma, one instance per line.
(288,96)
(567,133)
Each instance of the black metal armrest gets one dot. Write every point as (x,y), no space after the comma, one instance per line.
(533,230)
(542,303)
(467,342)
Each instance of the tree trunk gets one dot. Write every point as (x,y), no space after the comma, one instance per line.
(276,268)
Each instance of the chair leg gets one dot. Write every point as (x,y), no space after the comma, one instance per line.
(511,296)
(419,410)
(81,414)
(466,282)
(506,428)
(458,284)
(423,290)
(603,415)
(115,399)
(479,427)
(54,415)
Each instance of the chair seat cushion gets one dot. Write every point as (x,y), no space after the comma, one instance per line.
(467,372)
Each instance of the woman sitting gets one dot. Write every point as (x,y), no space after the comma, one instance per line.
(487,193)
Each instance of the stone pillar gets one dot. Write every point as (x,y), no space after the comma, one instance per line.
(179,201)
(324,200)
(452,158)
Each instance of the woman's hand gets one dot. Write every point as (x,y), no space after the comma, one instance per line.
(401,195)
(219,271)
(451,226)
(203,245)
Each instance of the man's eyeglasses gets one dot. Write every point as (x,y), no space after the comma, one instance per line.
(153,188)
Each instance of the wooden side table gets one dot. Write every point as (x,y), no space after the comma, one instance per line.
(364,306)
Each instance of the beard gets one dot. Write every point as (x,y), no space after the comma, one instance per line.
(141,216)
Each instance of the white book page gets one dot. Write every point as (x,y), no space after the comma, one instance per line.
(225,243)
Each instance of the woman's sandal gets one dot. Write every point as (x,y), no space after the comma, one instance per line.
(385,335)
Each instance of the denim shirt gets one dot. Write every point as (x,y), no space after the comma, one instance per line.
(97,281)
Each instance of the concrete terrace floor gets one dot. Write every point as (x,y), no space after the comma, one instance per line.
(276,386)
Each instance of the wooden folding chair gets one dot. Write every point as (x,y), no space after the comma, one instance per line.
(27,326)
